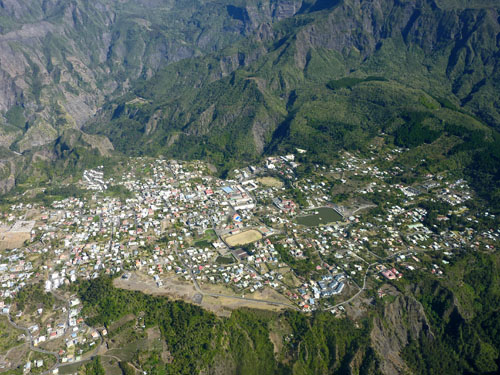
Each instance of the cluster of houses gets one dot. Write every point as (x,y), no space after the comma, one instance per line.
(330,285)
(176,216)
(310,292)
(61,327)
(390,274)
(94,179)
(284,164)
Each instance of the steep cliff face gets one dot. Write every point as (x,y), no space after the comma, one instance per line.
(270,89)
(461,45)
(77,53)
(10,164)
(402,321)
(61,60)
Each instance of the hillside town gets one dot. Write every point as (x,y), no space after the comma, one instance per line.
(268,235)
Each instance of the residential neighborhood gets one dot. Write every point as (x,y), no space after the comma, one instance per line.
(265,237)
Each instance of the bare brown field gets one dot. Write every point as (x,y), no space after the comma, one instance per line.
(11,240)
(223,306)
(175,288)
(172,286)
(268,294)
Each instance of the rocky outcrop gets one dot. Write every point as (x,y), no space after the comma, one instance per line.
(255,14)
(8,135)
(60,61)
(469,35)
(403,320)
(38,135)
(10,164)
(72,138)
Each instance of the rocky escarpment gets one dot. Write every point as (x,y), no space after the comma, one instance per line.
(402,321)
(10,165)
(259,93)
(79,52)
(60,61)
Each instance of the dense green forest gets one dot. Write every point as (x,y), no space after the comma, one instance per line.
(462,310)
(32,296)
(94,367)
(197,339)
(302,86)
(460,345)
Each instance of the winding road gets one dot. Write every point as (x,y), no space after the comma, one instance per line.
(58,363)
(32,346)
(365,276)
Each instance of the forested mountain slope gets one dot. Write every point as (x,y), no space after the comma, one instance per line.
(333,76)
(427,325)
(230,81)
(61,60)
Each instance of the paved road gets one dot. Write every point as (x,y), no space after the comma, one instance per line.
(200,291)
(358,293)
(33,347)
(366,275)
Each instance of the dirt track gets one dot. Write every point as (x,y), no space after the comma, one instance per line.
(243,238)
(185,290)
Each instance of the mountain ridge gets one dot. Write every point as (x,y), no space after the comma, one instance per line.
(61,60)
(334,48)
(257,80)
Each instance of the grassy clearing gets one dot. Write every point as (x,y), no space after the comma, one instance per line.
(270,181)
(8,335)
(127,352)
(71,369)
(224,260)
(206,241)
(243,238)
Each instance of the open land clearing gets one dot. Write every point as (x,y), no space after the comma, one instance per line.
(270,181)
(15,236)
(265,294)
(172,286)
(221,305)
(243,238)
